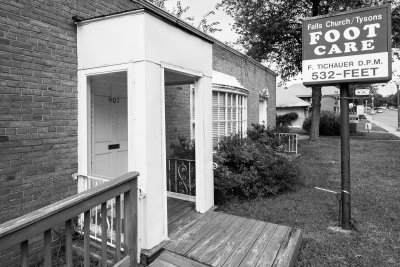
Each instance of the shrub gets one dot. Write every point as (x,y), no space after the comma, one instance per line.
(249,167)
(286,119)
(266,137)
(184,148)
(329,124)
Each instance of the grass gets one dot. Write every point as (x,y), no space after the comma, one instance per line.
(374,128)
(375,204)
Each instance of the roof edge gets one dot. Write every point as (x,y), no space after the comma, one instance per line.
(185,26)
(246,57)
(189,27)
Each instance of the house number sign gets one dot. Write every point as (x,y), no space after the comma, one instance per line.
(114,100)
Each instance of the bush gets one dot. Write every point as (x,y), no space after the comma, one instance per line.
(184,148)
(249,167)
(329,124)
(286,119)
(266,137)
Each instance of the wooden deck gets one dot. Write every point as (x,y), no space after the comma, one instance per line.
(219,239)
(180,213)
(170,259)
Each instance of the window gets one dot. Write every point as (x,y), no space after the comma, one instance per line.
(229,114)
(262,112)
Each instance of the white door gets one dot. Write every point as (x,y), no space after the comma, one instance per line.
(109,127)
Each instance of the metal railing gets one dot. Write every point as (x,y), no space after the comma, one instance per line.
(21,229)
(181,178)
(289,141)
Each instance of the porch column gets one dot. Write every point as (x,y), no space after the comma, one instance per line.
(146,150)
(203,137)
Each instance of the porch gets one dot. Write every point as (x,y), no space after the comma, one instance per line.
(195,239)
(219,239)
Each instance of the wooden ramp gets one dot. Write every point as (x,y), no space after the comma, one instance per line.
(219,239)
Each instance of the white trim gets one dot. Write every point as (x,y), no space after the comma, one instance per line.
(182,70)
(164,150)
(200,149)
(84,113)
(181,196)
(112,16)
(105,69)
(82,124)
(199,152)
(230,89)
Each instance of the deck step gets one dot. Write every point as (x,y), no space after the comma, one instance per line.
(170,259)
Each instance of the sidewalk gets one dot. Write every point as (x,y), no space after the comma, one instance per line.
(390,129)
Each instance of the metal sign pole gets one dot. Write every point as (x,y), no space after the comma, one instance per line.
(345,155)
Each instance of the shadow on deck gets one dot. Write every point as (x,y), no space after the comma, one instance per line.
(219,239)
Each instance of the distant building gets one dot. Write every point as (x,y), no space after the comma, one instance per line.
(286,103)
(298,98)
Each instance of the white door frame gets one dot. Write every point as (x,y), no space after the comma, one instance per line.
(197,75)
(84,114)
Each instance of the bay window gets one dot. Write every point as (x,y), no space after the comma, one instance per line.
(229,114)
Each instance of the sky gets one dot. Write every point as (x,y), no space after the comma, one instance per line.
(198,8)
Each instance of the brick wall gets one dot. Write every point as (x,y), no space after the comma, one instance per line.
(253,77)
(177,114)
(38,102)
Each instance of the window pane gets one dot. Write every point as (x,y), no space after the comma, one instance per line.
(234,127)
(229,114)
(222,113)
(215,99)
(221,101)
(221,128)
(229,100)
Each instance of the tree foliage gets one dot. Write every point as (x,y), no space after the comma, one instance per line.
(180,11)
(270,30)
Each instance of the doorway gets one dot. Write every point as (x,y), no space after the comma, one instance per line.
(109,125)
(180,146)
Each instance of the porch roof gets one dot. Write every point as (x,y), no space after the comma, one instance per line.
(169,18)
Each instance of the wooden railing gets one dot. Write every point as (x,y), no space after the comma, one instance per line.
(86,182)
(19,230)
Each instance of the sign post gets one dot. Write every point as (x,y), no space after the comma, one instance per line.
(347,48)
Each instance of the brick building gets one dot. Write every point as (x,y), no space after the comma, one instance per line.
(39,97)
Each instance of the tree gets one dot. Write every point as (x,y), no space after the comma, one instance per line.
(179,11)
(270,30)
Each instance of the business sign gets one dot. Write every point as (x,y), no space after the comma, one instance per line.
(349,47)
(362,92)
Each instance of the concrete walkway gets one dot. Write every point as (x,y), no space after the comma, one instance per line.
(390,129)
